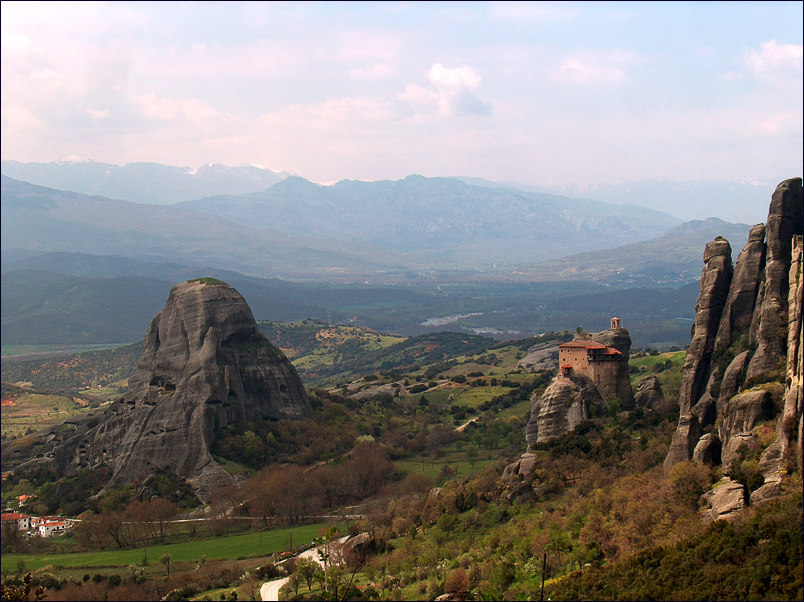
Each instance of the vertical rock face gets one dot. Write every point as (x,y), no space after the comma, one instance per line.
(791,434)
(739,309)
(619,339)
(715,281)
(205,366)
(784,221)
(747,332)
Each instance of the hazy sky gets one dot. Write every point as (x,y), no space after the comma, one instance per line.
(537,93)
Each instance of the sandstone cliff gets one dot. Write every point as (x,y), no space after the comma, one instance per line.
(742,372)
(205,366)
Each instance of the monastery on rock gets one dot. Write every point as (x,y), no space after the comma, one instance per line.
(595,361)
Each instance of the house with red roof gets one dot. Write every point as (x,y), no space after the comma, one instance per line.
(23,520)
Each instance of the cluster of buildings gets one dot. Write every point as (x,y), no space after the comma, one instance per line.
(42,526)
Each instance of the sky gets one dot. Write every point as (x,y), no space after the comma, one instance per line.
(544,94)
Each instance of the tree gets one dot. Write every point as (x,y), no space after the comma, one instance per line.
(165,559)
(295,581)
(307,568)
(21,592)
(457,581)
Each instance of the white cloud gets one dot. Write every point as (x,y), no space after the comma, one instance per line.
(773,57)
(592,68)
(454,91)
(98,113)
(377,71)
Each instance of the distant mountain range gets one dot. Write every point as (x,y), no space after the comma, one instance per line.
(150,183)
(153,183)
(300,229)
(79,268)
(441,222)
(45,219)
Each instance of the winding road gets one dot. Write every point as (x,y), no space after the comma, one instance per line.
(269,592)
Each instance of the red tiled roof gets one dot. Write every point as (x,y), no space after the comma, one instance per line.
(13,516)
(582,344)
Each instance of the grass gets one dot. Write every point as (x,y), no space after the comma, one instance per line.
(257,543)
(14,350)
(475,396)
(35,411)
(456,460)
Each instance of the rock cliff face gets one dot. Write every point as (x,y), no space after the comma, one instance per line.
(205,366)
(563,406)
(742,371)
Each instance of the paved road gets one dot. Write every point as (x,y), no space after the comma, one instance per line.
(269,592)
(270,589)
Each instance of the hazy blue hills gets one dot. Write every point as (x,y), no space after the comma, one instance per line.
(144,182)
(46,219)
(673,258)
(297,228)
(441,222)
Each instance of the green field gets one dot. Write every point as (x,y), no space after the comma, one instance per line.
(35,411)
(257,543)
(15,350)
(456,460)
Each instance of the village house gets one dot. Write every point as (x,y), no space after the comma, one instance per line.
(23,520)
(24,499)
(53,528)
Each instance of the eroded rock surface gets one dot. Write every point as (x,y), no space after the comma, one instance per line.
(563,406)
(724,501)
(715,281)
(747,332)
(784,221)
(205,366)
(649,394)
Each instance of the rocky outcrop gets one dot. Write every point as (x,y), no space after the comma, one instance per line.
(715,281)
(686,437)
(563,406)
(732,379)
(649,395)
(739,308)
(784,221)
(743,412)
(205,366)
(789,432)
(708,450)
(724,501)
(619,339)
(747,332)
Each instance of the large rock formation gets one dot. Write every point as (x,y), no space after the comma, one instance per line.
(205,366)
(563,406)
(649,395)
(567,400)
(784,221)
(747,336)
(715,280)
